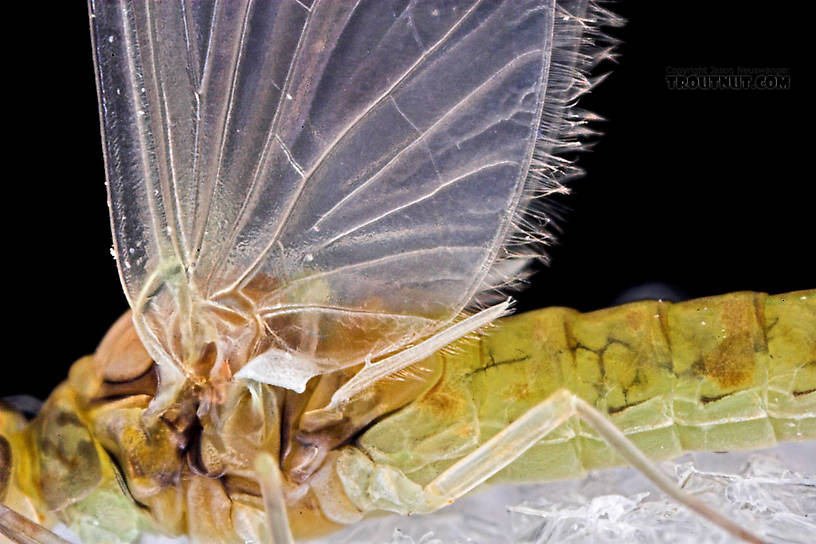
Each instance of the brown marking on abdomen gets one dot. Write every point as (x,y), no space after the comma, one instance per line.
(731,364)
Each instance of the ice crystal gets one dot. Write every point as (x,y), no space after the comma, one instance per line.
(773,493)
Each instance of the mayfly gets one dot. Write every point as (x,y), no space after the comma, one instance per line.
(286,182)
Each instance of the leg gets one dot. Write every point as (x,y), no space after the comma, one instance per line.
(23,530)
(535,424)
(269,478)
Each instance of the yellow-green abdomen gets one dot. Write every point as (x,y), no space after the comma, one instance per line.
(719,373)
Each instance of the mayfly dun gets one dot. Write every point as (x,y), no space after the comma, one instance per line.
(287,183)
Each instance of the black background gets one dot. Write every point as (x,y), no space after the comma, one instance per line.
(702,191)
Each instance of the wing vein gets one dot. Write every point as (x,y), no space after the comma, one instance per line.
(206,73)
(363,264)
(271,136)
(195,76)
(131,41)
(168,176)
(259,259)
(501,233)
(289,156)
(424,197)
(285,309)
(419,138)
(227,117)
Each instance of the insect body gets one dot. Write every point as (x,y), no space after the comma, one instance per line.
(288,224)
(718,373)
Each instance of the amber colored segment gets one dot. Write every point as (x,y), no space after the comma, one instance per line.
(519,360)
(790,329)
(721,361)
(623,362)
(621,354)
(523,361)
(716,338)
(69,465)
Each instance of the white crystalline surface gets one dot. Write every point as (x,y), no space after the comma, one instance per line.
(772,493)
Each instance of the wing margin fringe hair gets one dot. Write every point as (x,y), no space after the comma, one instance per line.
(579,45)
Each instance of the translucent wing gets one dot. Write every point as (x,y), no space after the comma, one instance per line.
(314,184)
